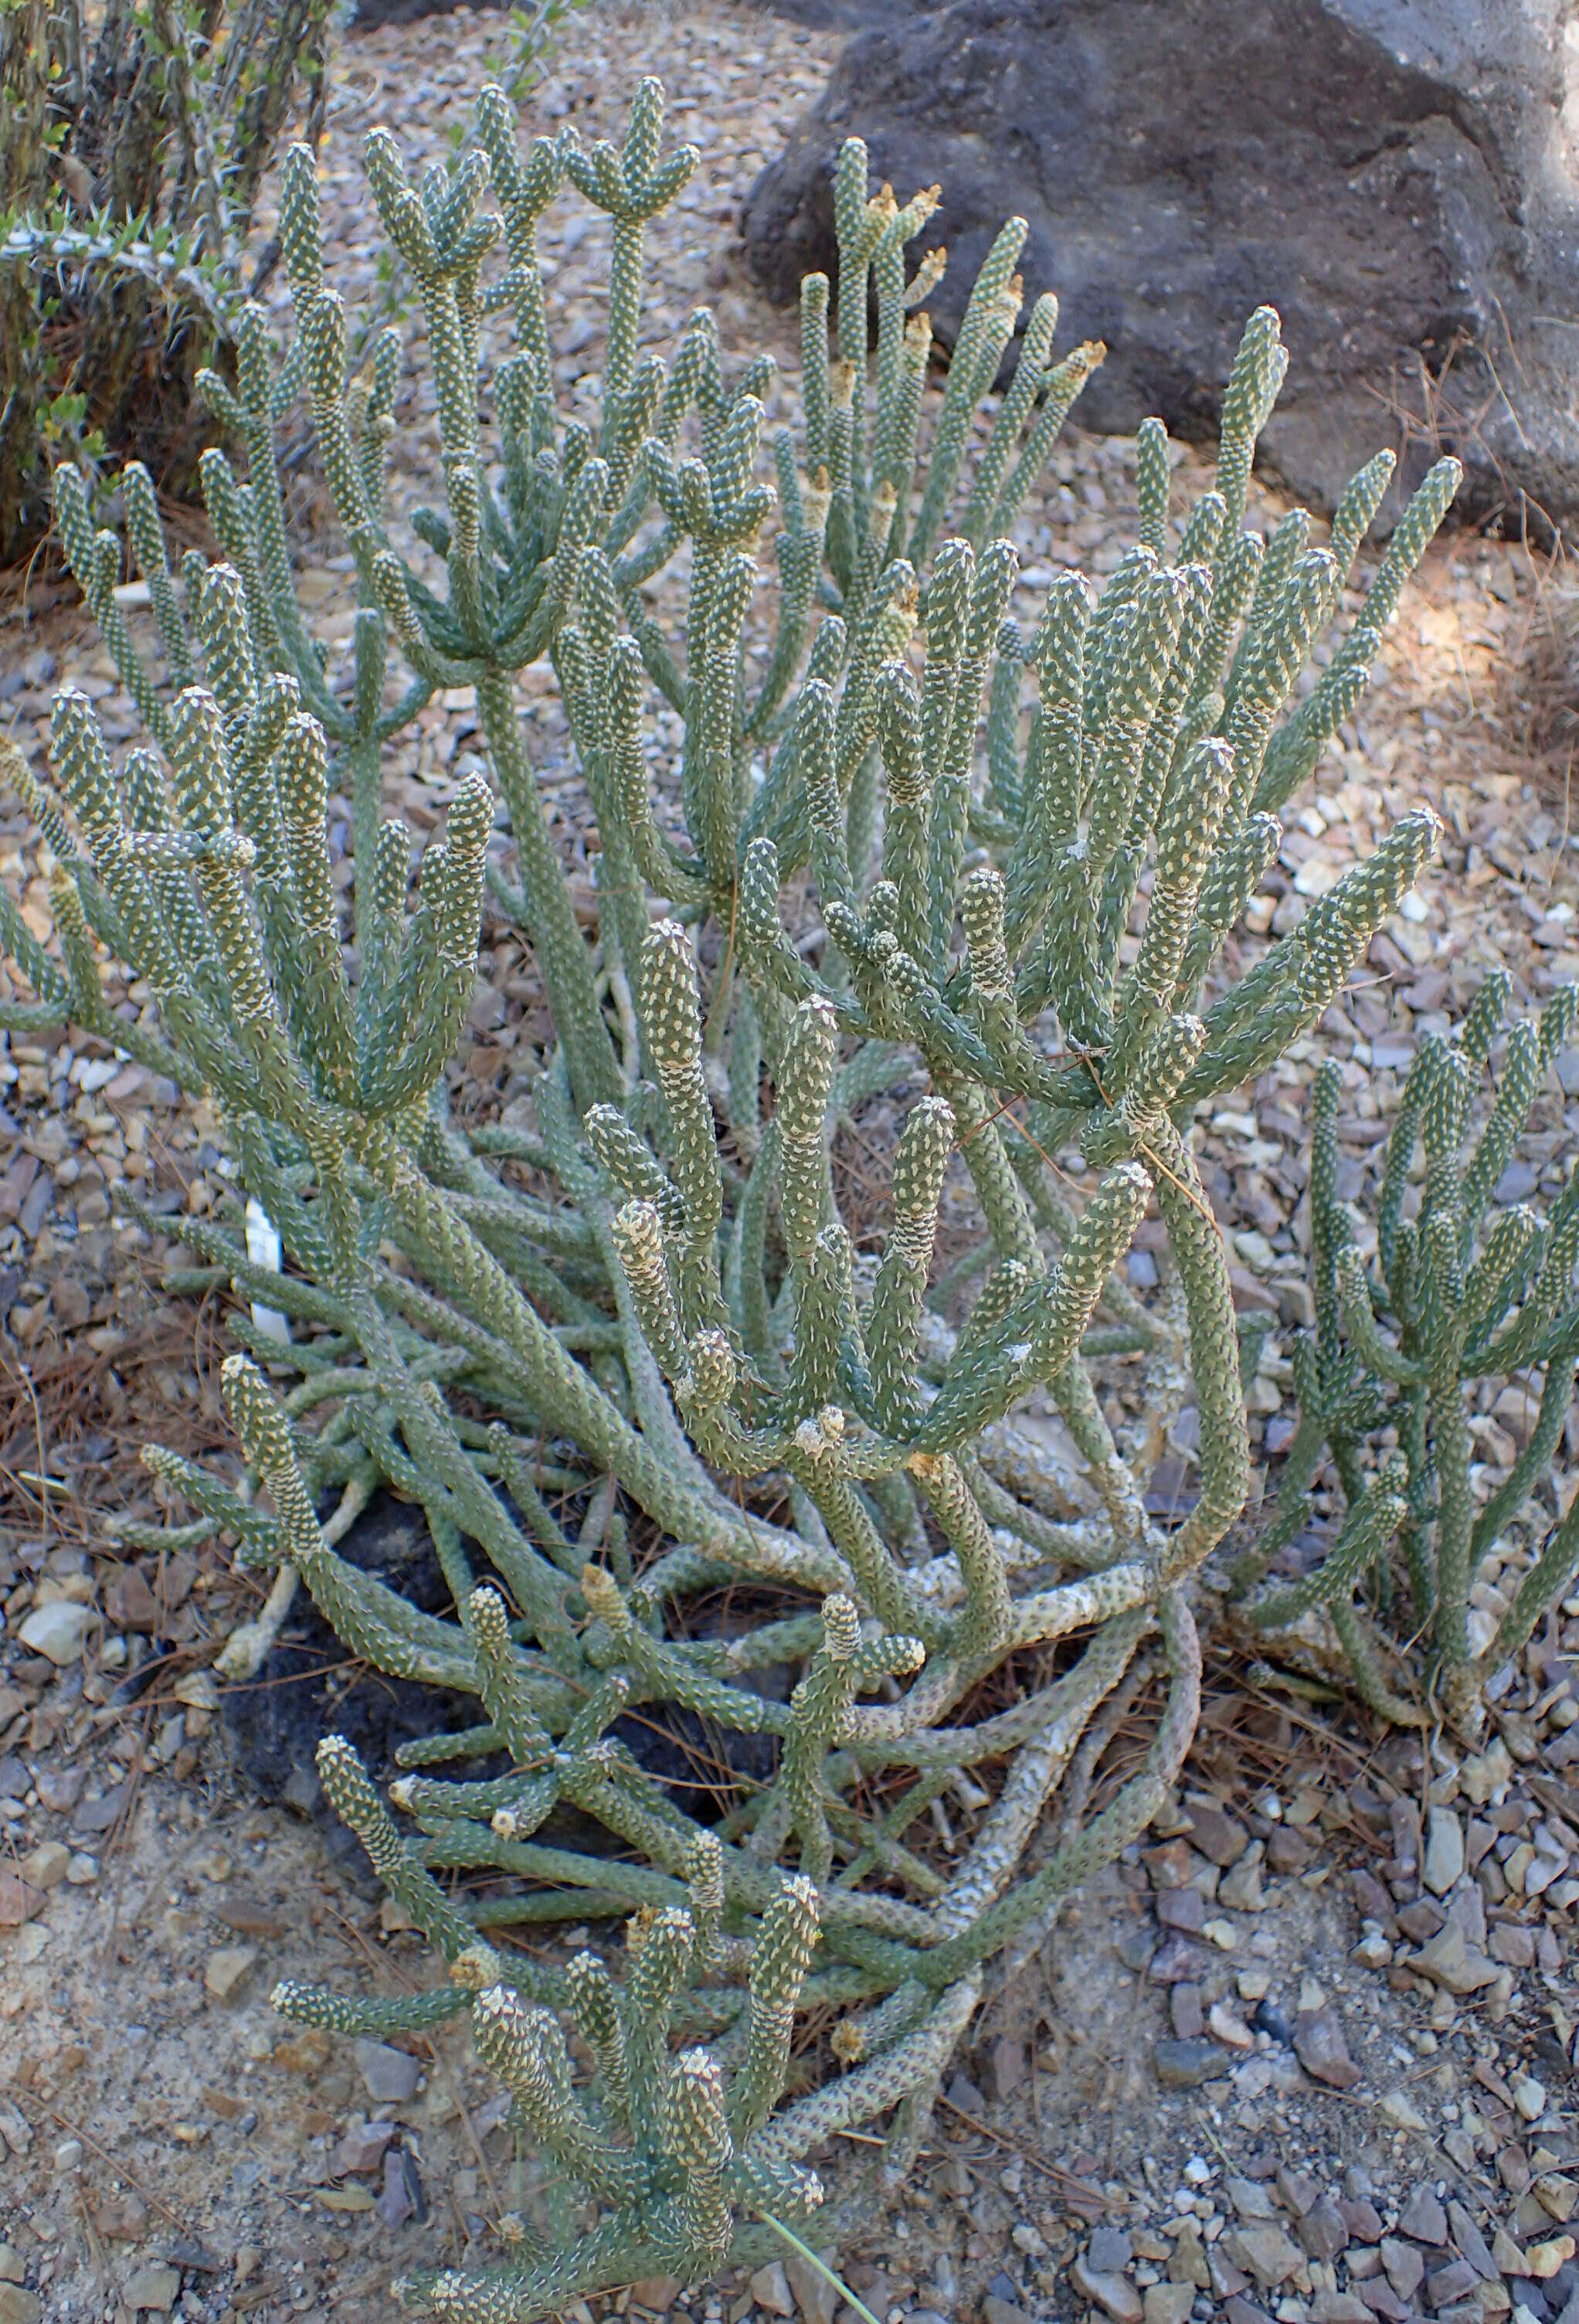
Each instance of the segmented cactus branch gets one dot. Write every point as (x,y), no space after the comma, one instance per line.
(1460,1294)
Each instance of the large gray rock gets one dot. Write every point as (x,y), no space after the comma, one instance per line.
(1396,177)
(367,16)
(843,15)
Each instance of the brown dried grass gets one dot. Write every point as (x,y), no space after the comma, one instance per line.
(79,1416)
(1539,702)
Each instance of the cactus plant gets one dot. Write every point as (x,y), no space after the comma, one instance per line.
(862,890)
(666,2142)
(133,142)
(1459,1294)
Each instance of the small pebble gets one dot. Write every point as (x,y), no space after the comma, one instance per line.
(1180,2065)
(391,2075)
(228,1969)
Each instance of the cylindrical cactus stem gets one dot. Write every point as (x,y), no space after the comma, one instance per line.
(697,2135)
(1520,1078)
(1442,1332)
(1186,835)
(804,1080)
(505,1695)
(633,1169)
(663,1945)
(671,1019)
(522,2042)
(986,1619)
(1367,1533)
(817,1709)
(704,1881)
(826,1330)
(780,1957)
(1042,1329)
(925,1148)
(595,1999)
(414,1889)
(1152,484)
(326,1030)
(1203,1264)
(638,1234)
(1253,389)
(300,225)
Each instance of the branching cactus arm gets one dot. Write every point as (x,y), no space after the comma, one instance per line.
(677,2158)
(1460,1294)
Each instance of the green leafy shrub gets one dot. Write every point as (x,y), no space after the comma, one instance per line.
(911,838)
(530,36)
(133,144)
(1459,1294)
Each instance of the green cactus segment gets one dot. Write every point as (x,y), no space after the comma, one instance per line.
(419,1895)
(1459,1293)
(1292,755)
(925,1148)
(882,820)
(672,1021)
(672,2147)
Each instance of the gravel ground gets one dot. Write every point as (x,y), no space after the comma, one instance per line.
(1306,2055)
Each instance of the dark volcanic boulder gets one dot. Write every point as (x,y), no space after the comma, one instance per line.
(309,1687)
(368,14)
(1396,177)
(844,15)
